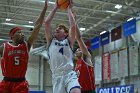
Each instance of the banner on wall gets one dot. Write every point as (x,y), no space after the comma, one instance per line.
(116,33)
(117,89)
(133,60)
(114,62)
(136,36)
(123,62)
(106,66)
(129,28)
(104,38)
(95,43)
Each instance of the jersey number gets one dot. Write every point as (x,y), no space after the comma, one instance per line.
(16,60)
(61,51)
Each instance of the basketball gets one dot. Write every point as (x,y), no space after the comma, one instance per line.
(63,4)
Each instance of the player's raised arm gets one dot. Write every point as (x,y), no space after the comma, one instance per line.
(72,24)
(82,46)
(48,20)
(37,26)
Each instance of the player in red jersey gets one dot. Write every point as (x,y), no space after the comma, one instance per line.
(84,66)
(14,59)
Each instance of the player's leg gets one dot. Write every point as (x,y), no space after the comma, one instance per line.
(59,85)
(73,84)
(21,87)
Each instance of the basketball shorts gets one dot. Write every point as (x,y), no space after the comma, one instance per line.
(14,87)
(65,83)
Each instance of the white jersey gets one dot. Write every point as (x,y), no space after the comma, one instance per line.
(60,57)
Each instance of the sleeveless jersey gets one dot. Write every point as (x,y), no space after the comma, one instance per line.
(60,56)
(14,60)
(86,75)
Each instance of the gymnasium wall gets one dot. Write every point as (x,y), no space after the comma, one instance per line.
(134,39)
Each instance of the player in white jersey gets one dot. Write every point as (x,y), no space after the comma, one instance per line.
(60,44)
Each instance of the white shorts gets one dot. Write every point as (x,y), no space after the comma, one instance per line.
(64,83)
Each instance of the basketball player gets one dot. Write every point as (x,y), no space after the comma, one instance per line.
(14,59)
(60,44)
(84,67)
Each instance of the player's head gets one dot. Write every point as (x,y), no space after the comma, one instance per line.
(61,31)
(16,34)
(78,53)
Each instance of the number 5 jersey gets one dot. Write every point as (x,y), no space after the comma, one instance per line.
(14,60)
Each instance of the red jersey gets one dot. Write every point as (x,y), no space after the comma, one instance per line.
(14,60)
(86,75)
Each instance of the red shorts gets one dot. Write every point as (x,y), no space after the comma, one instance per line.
(14,87)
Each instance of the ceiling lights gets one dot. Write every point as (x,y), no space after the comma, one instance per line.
(50,2)
(82,29)
(30,22)
(118,6)
(7,19)
(130,18)
(103,32)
